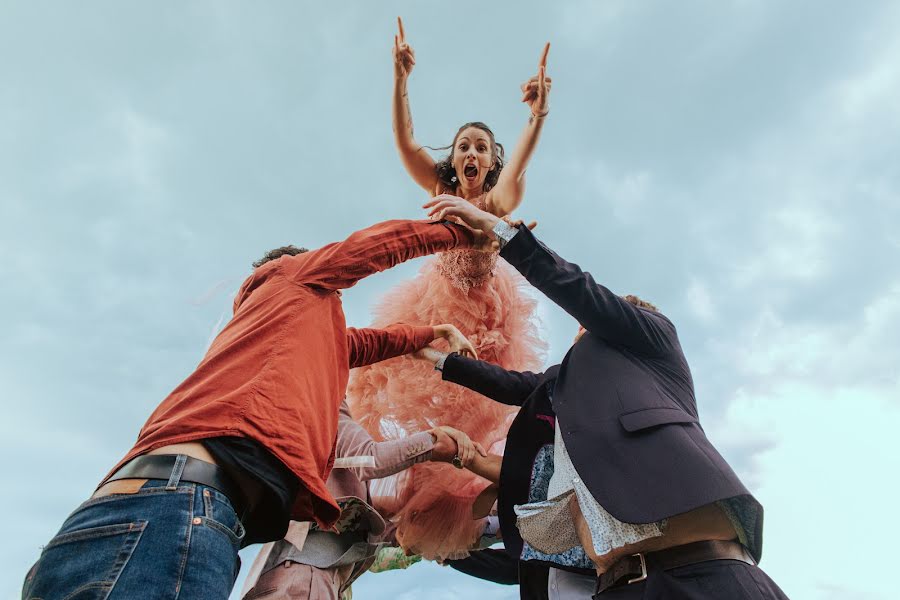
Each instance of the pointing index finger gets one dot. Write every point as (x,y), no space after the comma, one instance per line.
(543,61)
(402,33)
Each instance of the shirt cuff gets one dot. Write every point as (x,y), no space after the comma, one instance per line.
(423,439)
(439,365)
(504,232)
(422,336)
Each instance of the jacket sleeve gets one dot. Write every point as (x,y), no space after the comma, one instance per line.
(507,387)
(368,346)
(341,264)
(390,457)
(595,307)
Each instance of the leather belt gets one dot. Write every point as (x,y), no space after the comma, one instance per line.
(161,466)
(634,568)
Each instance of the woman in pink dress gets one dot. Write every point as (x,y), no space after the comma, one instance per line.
(431,504)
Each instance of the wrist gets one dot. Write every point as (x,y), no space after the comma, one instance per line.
(489,222)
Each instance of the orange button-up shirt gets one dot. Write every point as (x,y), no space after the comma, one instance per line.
(277,373)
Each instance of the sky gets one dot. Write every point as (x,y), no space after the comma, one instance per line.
(733,161)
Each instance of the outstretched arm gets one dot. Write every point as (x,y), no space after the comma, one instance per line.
(368,346)
(506,387)
(506,196)
(341,264)
(415,159)
(389,457)
(595,307)
(440,444)
(487,467)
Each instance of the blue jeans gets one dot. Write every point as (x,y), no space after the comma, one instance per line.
(171,539)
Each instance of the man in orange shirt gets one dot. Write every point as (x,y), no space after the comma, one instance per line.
(246,442)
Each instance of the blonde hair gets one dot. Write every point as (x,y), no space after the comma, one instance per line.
(641,303)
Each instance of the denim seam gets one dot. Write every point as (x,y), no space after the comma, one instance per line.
(138,494)
(94,532)
(100,585)
(209,519)
(187,544)
(109,585)
(213,524)
(128,558)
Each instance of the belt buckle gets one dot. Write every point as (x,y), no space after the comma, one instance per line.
(643,574)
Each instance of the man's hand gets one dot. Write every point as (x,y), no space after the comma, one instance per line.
(450,443)
(458,342)
(447,206)
(444,446)
(515,224)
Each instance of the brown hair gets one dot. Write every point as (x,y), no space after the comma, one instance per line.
(447,174)
(641,303)
(278,253)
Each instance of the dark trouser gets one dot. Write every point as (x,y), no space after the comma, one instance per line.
(489,564)
(715,579)
(171,539)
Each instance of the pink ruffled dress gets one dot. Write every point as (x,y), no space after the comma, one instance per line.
(431,503)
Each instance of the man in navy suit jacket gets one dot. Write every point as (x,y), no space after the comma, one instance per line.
(623,400)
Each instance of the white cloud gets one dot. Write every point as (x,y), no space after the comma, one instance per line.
(817,416)
(860,349)
(828,482)
(732,160)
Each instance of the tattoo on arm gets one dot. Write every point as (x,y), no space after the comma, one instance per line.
(409,123)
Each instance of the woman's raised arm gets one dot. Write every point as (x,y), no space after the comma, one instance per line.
(506,196)
(415,159)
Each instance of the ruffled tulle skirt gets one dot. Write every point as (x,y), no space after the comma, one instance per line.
(431,503)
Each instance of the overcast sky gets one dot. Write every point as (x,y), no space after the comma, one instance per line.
(735,162)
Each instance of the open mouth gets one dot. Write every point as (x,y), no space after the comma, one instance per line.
(470,172)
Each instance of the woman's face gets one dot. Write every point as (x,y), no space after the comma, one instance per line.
(472,158)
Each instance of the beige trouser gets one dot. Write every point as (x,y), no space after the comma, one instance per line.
(293,581)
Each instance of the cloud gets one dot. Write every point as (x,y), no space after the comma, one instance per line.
(813,429)
(820,500)
(860,349)
(733,162)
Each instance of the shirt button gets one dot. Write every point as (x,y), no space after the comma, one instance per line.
(576,480)
(196,520)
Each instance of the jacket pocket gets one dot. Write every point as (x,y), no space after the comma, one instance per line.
(646,418)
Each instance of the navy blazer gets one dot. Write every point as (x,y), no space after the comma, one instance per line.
(623,398)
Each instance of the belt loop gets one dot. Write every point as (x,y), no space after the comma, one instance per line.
(177,471)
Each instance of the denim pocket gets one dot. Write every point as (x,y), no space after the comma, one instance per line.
(218,514)
(83,564)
